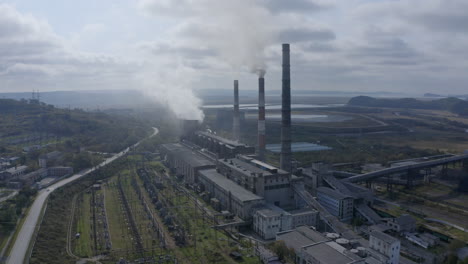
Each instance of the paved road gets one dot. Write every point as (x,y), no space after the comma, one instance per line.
(20,248)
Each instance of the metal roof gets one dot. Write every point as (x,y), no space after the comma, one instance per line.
(332,193)
(384,237)
(227,185)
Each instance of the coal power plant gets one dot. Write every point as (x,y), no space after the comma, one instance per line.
(284,202)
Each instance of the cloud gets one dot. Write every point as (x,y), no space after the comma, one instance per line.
(296,6)
(300,34)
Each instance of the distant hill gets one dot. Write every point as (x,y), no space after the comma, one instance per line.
(455,105)
(432,95)
(22,120)
(87,99)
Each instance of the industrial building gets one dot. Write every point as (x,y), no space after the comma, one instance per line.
(184,162)
(222,147)
(270,220)
(311,247)
(384,248)
(31,178)
(46,160)
(403,223)
(59,171)
(260,178)
(231,196)
(13,172)
(337,203)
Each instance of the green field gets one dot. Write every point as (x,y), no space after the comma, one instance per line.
(83,245)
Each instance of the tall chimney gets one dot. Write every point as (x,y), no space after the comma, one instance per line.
(261,116)
(235,124)
(285,157)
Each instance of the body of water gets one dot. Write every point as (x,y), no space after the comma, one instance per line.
(270,106)
(298,147)
(304,118)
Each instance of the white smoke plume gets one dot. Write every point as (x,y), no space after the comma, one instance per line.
(172,88)
(237,32)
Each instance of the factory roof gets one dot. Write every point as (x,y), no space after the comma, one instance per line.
(300,237)
(51,155)
(270,210)
(247,165)
(332,193)
(189,156)
(195,159)
(224,183)
(330,252)
(33,174)
(384,237)
(302,211)
(221,139)
(14,170)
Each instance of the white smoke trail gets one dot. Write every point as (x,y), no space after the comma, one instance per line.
(240,31)
(237,31)
(172,88)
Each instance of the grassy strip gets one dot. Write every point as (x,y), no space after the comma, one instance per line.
(50,246)
(83,245)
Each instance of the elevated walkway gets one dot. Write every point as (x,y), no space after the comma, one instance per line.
(368,213)
(328,218)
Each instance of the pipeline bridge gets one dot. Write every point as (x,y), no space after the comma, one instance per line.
(412,169)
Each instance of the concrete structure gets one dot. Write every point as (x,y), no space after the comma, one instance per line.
(46,159)
(59,171)
(266,256)
(286,156)
(311,247)
(32,177)
(12,172)
(231,196)
(222,147)
(403,223)
(261,144)
(188,127)
(338,204)
(235,120)
(384,248)
(304,216)
(407,168)
(183,161)
(270,220)
(260,178)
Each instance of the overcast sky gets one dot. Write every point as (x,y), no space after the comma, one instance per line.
(412,46)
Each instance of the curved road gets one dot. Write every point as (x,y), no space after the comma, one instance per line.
(20,248)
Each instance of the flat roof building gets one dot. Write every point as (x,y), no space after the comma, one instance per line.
(260,178)
(311,246)
(222,147)
(338,204)
(184,161)
(231,196)
(384,247)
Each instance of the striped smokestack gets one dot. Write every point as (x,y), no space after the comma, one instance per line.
(235,124)
(261,116)
(285,158)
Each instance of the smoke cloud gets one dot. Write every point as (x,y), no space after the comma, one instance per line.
(240,33)
(237,32)
(172,88)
